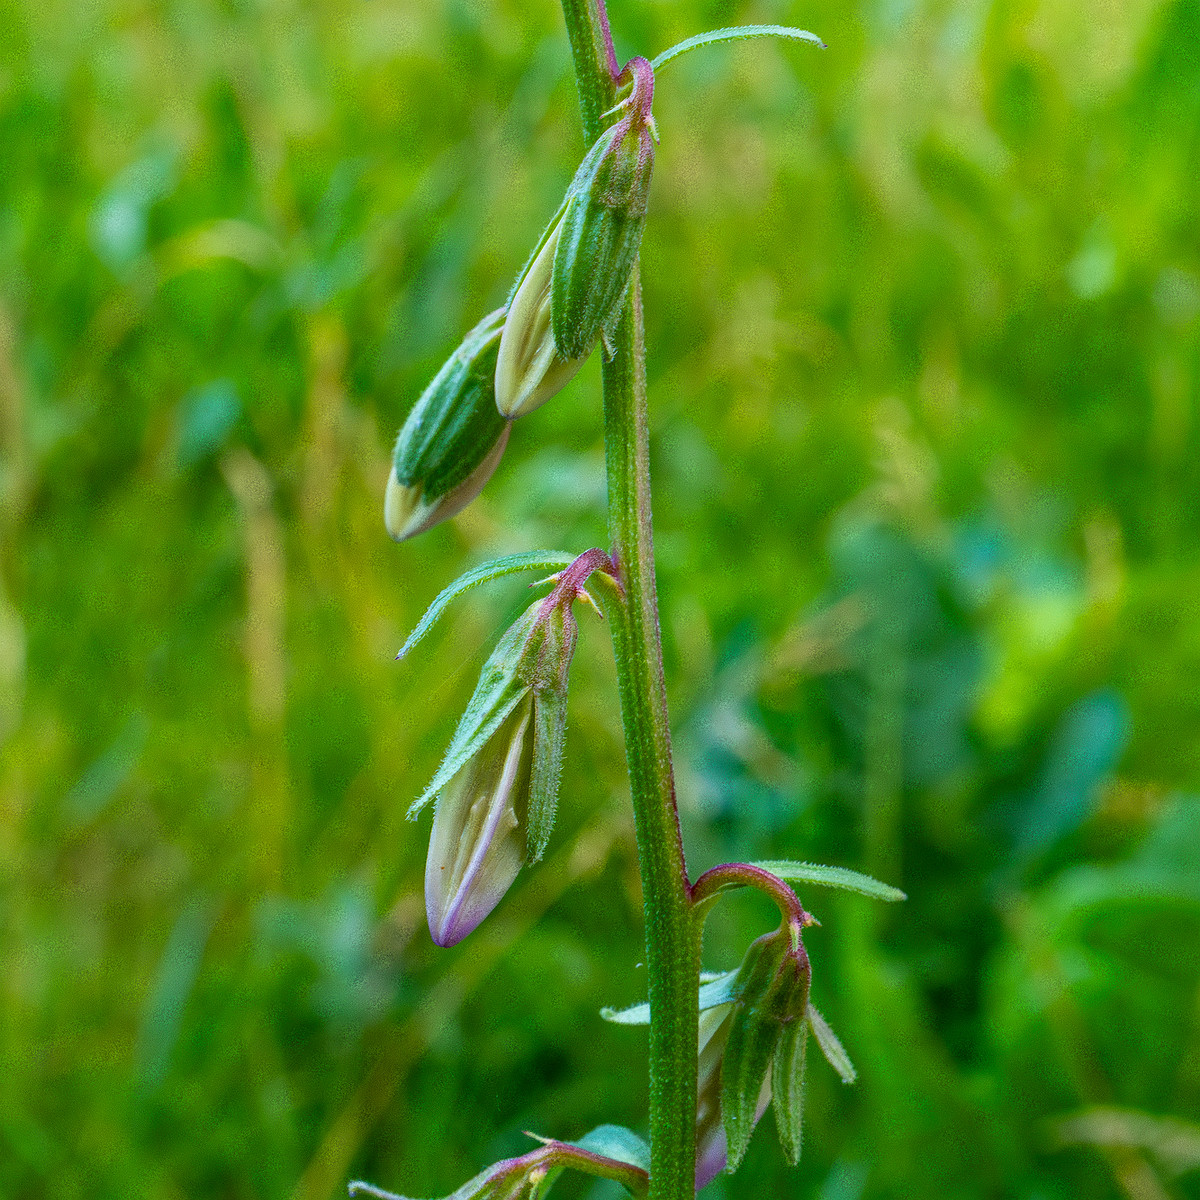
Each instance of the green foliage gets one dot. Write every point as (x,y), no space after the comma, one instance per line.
(924,326)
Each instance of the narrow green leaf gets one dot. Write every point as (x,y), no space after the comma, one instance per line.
(833,1049)
(511,564)
(787,1087)
(835,877)
(744,1079)
(735,33)
(359,1188)
(720,989)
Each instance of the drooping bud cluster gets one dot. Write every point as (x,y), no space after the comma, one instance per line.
(497,788)
(772,985)
(569,296)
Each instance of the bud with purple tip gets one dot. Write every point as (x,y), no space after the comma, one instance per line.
(497,788)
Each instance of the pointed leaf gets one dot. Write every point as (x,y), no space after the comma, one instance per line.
(497,568)
(835,877)
(474,1189)
(834,1051)
(549,734)
(735,33)
(720,989)
(787,1087)
(499,690)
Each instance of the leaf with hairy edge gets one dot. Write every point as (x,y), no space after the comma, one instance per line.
(549,734)
(735,33)
(511,564)
(639,1014)
(835,877)
(834,1051)
(787,1087)
(499,690)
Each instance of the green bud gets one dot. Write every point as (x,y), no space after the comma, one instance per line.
(452,440)
(601,227)
(772,986)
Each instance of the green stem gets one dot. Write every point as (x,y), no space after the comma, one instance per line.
(595,62)
(672,946)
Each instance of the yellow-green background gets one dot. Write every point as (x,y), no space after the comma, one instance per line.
(924,342)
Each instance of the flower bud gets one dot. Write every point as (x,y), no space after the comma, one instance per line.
(601,227)
(498,786)
(772,985)
(452,440)
(574,286)
(478,843)
(529,368)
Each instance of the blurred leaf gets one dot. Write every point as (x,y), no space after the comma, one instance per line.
(162,1015)
(1173,1143)
(207,416)
(615,1141)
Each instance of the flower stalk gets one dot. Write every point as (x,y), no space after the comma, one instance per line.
(672,948)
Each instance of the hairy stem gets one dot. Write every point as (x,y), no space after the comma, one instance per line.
(672,947)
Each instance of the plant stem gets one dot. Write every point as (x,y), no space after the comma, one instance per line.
(595,61)
(672,947)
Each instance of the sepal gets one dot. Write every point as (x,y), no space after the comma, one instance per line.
(602,225)
(787,1086)
(772,988)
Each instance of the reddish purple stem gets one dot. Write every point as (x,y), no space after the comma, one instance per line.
(731,875)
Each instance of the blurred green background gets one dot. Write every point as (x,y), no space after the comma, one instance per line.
(924,347)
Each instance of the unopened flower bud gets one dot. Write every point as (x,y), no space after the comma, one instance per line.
(478,841)
(452,440)
(574,286)
(498,786)
(772,985)
(601,227)
(529,368)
